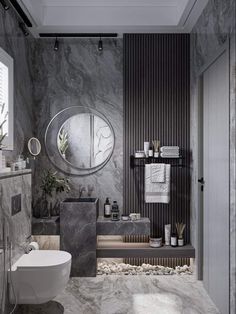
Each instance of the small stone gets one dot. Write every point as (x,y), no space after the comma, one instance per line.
(114,268)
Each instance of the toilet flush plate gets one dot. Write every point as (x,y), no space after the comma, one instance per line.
(15,204)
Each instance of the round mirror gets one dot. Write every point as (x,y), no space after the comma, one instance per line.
(85,141)
(34,146)
(79,140)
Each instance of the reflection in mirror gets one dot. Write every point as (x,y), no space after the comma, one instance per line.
(85,141)
(34,146)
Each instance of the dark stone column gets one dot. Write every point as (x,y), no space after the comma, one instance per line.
(78,235)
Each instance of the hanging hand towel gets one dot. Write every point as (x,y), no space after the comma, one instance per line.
(158,173)
(157,192)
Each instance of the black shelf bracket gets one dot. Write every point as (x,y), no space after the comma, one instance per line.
(141,162)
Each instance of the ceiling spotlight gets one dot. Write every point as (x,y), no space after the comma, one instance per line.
(100,45)
(24,28)
(4,4)
(56,45)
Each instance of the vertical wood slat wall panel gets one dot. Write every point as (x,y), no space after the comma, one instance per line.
(157,106)
(167,262)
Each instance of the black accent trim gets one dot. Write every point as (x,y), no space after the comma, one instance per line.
(21,13)
(83,35)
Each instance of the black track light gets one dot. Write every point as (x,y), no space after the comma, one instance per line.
(56,45)
(24,28)
(100,45)
(4,4)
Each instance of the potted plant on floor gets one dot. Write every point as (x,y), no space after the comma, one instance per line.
(51,185)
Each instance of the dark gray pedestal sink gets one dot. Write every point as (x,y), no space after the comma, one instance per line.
(78,234)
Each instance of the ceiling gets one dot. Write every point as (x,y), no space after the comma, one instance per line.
(119,16)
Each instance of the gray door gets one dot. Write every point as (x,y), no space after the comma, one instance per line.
(216,177)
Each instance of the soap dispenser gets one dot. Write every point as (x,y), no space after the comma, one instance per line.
(115,213)
(107,208)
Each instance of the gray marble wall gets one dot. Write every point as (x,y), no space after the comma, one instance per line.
(17,228)
(78,75)
(216,23)
(18,46)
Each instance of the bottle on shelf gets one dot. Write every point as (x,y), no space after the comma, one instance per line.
(173,240)
(115,213)
(150,152)
(107,208)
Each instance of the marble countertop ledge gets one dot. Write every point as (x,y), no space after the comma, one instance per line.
(46,226)
(8,174)
(52,219)
(105,226)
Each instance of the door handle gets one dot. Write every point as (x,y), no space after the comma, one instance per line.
(201,180)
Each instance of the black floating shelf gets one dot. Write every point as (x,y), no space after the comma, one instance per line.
(141,162)
(143,250)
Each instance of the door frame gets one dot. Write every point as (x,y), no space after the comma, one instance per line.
(224,49)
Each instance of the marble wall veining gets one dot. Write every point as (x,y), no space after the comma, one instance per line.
(18,47)
(213,28)
(78,235)
(79,75)
(17,228)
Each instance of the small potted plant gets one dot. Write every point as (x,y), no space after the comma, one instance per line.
(180,230)
(51,185)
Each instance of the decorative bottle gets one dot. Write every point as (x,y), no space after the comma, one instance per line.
(173,240)
(107,208)
(115,213)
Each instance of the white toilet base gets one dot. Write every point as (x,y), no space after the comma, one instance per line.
(39,276)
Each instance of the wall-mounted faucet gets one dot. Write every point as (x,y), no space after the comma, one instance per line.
(81,190)
(90,190)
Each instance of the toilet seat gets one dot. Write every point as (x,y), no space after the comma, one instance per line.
(38,259)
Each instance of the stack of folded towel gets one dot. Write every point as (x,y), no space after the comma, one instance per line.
(170,151)
(157,183)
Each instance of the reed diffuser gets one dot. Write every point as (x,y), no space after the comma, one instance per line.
(180,226)
(156,146)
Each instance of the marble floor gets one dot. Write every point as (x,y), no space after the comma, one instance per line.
(129,295)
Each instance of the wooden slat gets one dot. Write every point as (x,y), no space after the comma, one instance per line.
(157,106)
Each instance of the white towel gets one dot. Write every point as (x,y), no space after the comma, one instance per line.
(158,172)
(157,192)
(169,149)
(169,155)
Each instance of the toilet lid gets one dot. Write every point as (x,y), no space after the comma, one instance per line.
(47,258)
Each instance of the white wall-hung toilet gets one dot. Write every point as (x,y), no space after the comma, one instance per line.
(39,276)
